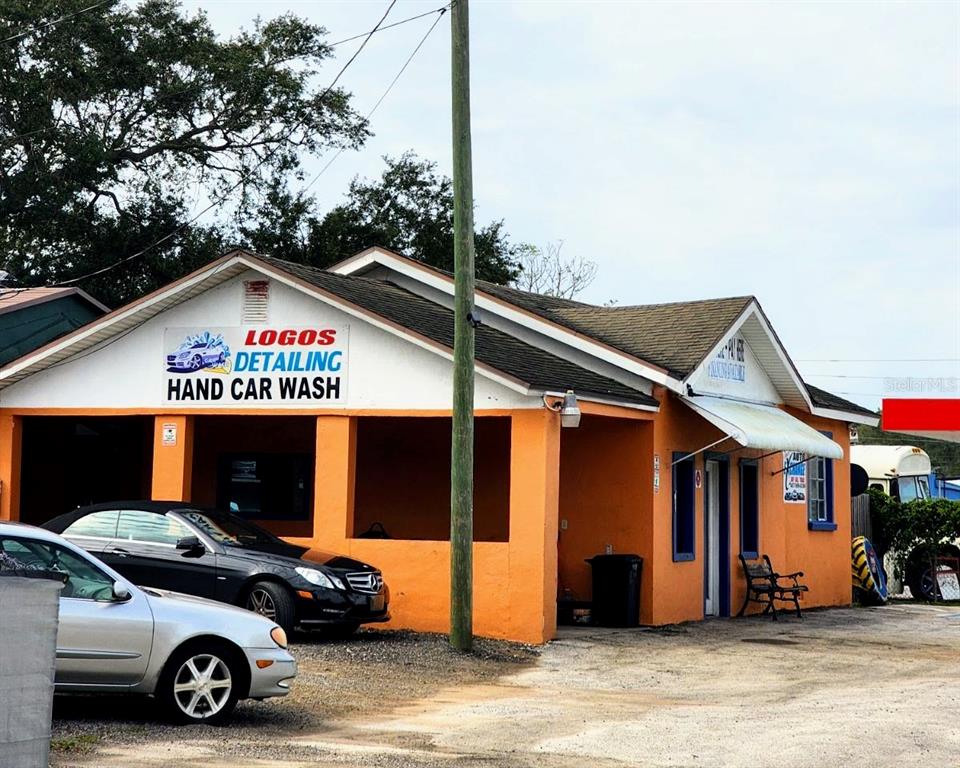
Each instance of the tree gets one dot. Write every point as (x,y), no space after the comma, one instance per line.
(916,533)
(409,209)
(117,124)
(547,271)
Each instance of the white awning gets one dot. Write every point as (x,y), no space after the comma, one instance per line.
(763,426)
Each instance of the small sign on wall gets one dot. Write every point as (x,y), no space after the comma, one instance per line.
(656,473)
(169,434)
(794,477)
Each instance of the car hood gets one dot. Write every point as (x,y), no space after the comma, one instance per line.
(187,615)
(290,555)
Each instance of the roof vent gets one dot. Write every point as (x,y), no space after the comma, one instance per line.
(256,295)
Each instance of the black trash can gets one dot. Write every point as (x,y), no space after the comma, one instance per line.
(616,590)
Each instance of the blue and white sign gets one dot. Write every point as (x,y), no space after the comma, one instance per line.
(794,477)
(730,364)
(254,366)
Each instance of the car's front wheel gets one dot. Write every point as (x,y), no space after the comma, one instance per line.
(273,602)
(200,684)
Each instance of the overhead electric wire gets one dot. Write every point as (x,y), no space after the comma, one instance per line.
(244,178)
(383,96)
(54,22)
(879,360)
(441,11)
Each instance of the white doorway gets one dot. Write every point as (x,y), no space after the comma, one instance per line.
(711,541)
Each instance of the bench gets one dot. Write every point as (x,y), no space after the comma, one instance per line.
(765,586)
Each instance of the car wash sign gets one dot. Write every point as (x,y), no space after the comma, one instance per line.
(254,366)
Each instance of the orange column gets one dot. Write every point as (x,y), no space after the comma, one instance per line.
(172,458)
(534,513)
(11,438)
(334,478)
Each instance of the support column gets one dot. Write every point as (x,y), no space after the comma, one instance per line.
(11,440)
(334,477)
(172,458)
(534,518)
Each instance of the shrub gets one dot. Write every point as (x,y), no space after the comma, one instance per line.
(920,526)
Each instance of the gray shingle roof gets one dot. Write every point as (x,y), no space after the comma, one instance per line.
(531,365)
(826,399)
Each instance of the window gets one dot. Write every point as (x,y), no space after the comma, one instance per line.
(150,528)
(820,494)
(749,509)
(267,486)
(84,580)
(98,525)
(913,487)
(684,507)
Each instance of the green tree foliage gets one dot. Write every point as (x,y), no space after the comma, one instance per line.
(117,124)
(917,529)
(409,209)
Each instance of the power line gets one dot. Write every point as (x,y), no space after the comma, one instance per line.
(441,11)
(858,376)
(383,96)
(888,360)
(54,22)
(243,179)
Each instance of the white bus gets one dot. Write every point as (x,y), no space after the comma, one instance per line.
(901,471)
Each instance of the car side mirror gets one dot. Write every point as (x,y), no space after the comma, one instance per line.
(189,543)
(120,591)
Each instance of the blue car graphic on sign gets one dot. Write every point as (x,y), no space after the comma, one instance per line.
(200,352)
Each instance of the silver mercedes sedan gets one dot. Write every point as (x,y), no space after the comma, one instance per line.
(197,657)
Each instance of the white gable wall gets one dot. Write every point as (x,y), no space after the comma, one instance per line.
(727,375)
(384,371)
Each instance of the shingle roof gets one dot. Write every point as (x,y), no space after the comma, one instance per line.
(824,399)
(500,351)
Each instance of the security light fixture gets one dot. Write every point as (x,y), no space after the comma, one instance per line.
(568,409)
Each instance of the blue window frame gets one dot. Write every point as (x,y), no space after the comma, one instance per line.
(820,493)
(684,507)
(749,509)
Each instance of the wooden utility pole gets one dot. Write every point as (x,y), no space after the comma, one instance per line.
(461,475)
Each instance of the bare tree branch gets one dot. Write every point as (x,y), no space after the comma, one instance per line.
(547,271)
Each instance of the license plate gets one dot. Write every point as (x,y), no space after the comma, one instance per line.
(376,603)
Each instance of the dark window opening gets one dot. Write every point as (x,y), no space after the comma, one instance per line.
(749,509)
(266,486)
(70,462)
(684,507)
(402,488)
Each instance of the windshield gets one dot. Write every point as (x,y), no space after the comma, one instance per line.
(909,490)
(225,528)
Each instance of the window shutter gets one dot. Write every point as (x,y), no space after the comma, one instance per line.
(256,298)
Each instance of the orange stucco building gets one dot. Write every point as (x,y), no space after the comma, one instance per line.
(317,402)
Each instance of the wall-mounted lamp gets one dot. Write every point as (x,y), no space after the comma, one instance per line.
(567,408)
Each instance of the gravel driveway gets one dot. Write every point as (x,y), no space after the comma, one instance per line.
(877,687)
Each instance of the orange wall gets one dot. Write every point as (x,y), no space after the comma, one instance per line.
(606,497)
(515,582)
(11,443)
(823,556)
(403,477)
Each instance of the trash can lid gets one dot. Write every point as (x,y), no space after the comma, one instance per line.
(628,558)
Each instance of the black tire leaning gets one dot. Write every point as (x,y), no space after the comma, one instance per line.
(284,611)
(918,567)
(174,672)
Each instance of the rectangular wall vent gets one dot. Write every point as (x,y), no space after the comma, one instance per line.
(256,297)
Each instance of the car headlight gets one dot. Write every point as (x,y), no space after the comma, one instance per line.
(319,578)
(279,636)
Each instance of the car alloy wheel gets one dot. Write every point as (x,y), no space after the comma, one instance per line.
(196,362)
(202,686)
(260,601)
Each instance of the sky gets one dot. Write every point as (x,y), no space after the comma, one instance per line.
(806,153)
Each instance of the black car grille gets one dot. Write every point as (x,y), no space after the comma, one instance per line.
(365,581)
